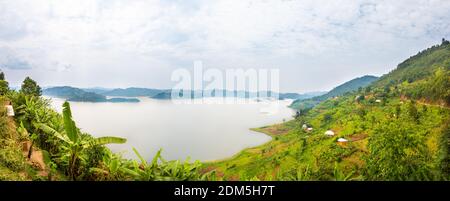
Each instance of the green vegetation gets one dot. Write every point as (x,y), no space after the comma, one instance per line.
(3,84)
(352,85)
(397,128)
(73,143)
(30,87)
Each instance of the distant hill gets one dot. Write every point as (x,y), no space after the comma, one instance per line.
(132,92)
(349,86)
(79,95)
(167,94)
(100,94)
(303,96)
(98,90)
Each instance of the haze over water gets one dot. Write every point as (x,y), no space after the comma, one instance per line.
(199,131)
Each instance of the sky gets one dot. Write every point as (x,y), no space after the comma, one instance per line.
(316,45)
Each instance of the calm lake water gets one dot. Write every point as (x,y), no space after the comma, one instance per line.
(201,131)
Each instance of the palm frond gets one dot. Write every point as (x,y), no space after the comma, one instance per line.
(109,140)
(51,131)
(69,124)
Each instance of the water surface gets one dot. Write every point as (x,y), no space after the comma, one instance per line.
(201,131)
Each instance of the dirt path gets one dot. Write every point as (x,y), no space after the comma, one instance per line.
(36,160)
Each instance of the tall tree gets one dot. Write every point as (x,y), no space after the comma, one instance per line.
(30,87)
(3,84)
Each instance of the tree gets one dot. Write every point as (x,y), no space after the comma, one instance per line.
(439,86)
(73,142)
(3,87)
(3,84)
(30,87)
(396,152)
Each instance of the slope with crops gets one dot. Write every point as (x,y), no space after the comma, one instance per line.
(397,128)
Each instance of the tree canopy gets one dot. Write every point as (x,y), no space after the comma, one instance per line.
(30,87)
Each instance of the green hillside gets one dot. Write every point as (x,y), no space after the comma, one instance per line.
(349,86)
(394,129)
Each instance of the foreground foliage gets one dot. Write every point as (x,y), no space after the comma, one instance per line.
(69,154)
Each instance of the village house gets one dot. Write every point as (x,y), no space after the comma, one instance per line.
(304,127)
(342,141)
(329,133)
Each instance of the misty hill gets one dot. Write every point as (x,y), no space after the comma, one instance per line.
(79,95)
(349,86)
(97,90)
(132,92)
(303,96)
(167,94)
(99,94)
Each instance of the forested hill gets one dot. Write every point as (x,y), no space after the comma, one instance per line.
(349,86)
(80,95)
(419,66)
(424,76)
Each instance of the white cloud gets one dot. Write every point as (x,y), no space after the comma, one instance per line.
(139,42)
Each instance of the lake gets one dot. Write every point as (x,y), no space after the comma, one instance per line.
(200,131)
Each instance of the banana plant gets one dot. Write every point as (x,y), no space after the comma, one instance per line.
(73,143)
(111,168)
(30,112)
(165,170)
(144,171)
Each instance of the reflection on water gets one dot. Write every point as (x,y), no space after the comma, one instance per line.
(201,131)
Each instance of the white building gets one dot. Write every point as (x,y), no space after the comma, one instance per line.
(304,126)
(342,140)
(9,110)
(329,133)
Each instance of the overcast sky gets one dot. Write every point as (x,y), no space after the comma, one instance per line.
(120,43)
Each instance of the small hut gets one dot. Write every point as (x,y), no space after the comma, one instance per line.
(342,141)
(329,133)
(304,127)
